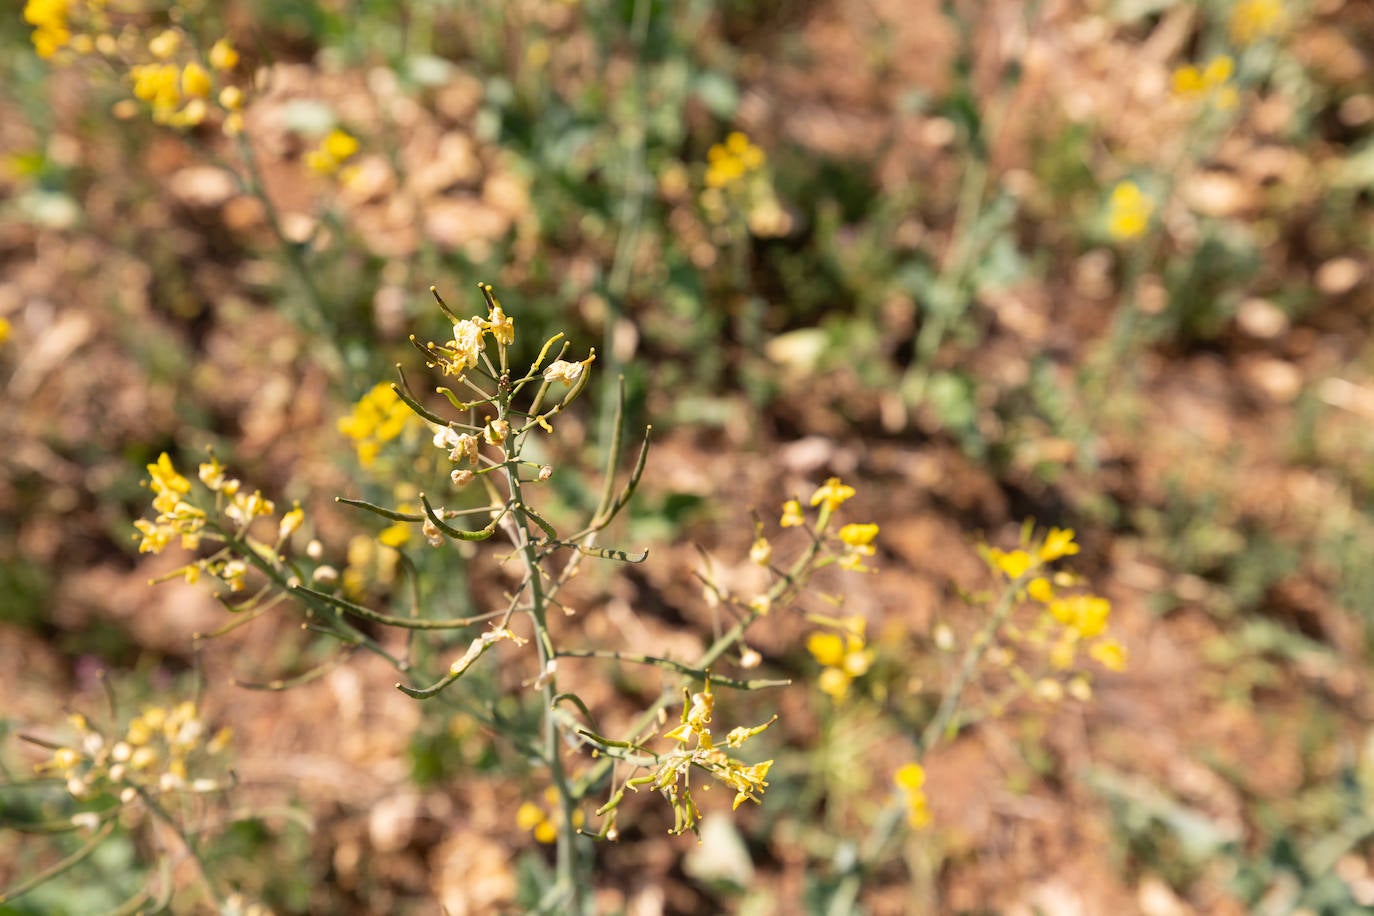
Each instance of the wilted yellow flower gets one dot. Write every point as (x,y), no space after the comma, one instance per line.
(761,552)
(462,352)
(501,326)
(496,431)
(561,370)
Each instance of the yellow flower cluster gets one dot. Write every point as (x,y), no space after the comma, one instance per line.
(1078,617)
(157,753)
(1128,212)
(737,182)
(540,820)
(857,539)
(165,70)
(858,543)
(178,87)
(1209,83)
(180,517)
(51,29)
(672,771)
(843,655)
(1253,20)
(732,161)
(378,417)
(175,516)
(910,780)
(337,147)
(830,495)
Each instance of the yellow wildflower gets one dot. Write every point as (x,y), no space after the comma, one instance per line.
(4,330)
(195,81)
(231,98)
(910,780)
(334,150)
(378,417)
(843,657)
(1110,654)
(532,817)
(832,493)
(165,44)
(395,535)
(732,160)
(49,19)
(1058,543)
(696,748)
(1193,84)
(791,515)
(1040,589)
(858,541)
(1252,20)
(157,84)
(826,648)
(859,537)
(1128,212)
(1086,615)
(1012,564)
(223,56)
(165,477)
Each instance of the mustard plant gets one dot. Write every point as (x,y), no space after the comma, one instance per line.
(494,417)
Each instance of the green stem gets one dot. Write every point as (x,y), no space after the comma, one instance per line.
(567,891)
(71,861)
(161,814)
(978,647)
(311,319)
(694,673)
